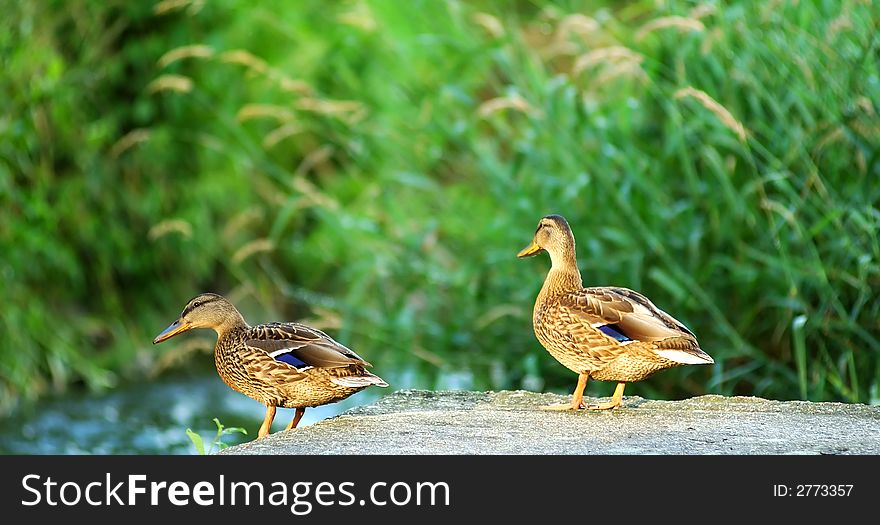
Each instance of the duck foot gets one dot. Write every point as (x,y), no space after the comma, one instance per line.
(267,422)
(563,406)
(577,398)
(611,405)
(616,400)
(295,421)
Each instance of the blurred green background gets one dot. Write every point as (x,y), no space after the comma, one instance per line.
(372,168)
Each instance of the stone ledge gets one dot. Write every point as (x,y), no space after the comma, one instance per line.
(510,422)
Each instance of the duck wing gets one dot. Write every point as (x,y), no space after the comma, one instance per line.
(301,346)
(627,316)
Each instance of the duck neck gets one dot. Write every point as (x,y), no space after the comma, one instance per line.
(231,325)
(563,276)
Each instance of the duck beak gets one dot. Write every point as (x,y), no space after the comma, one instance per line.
(175,328)
(532,249)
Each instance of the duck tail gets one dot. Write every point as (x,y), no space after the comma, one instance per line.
(690,356)
(363,380)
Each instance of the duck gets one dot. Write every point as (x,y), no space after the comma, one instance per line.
(605,333)
(288,365)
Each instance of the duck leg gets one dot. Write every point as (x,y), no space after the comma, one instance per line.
(295,421)
(615,402)
(267,422)
(577,398)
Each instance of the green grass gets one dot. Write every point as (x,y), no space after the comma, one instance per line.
(373,167)
(217,444)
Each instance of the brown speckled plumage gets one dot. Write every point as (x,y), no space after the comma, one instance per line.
(244,364)
(286,365)
(604,333)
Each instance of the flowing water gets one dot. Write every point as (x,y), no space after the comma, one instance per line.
(149,418)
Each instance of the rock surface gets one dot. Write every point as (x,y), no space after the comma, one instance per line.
(510,422)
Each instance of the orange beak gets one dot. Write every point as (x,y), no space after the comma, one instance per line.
(177,327)
(532,249)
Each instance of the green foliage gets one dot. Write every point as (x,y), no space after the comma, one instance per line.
(217,444)
(375,166)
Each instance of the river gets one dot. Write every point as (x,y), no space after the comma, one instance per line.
(149,418)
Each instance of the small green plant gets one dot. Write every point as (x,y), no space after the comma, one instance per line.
(217,443)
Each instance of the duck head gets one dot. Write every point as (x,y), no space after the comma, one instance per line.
(206,310)
(553,236)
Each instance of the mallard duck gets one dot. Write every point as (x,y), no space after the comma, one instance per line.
(286,365)
(604,333)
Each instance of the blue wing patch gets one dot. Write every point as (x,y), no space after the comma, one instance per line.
(290,359)
(613,331)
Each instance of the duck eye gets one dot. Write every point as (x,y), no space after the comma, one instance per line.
(197,304)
